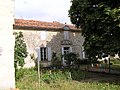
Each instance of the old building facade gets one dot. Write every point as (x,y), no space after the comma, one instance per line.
(48,37)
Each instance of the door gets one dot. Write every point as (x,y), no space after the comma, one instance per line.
(65,50)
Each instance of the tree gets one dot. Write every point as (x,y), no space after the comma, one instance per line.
(99,24)
(20,50)
(70,58)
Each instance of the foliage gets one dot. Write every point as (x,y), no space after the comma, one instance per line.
(81,81)
(81,62)
(55,75)
(70,58)
(19,74)
(99,21)
(22,72)
(56,61)
(78,75)
(115,61)
(20,50)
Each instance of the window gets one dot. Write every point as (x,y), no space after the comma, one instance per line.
(66,32)
(82,53)
(66,35)
(66,27)
(66,50)
(43,35)
(43,53)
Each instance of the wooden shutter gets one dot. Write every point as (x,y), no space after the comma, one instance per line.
(83,53)
(62,50)
(49,53)
(66,35)
(70,49)
(38,54)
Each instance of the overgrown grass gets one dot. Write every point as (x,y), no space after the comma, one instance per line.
(115,61)
(62,80)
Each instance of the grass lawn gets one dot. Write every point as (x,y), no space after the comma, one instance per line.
(66,80)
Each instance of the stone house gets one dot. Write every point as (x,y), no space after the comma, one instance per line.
(48,37)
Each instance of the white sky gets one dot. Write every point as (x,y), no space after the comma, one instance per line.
(43,10)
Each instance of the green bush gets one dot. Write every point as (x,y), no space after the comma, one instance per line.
(55,75)
(115,61)
(56,61)
(19,73)
(78,75)
(70,57)
(82,61)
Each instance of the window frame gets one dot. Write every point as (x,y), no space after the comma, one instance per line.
(66,35)
(43,53)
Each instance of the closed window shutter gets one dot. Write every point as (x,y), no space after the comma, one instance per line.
(62,54)
(81,53)
(70,49)
(38,54)
(49,53)
(62,50)
(66,35)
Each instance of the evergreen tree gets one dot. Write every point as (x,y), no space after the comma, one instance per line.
(20,50)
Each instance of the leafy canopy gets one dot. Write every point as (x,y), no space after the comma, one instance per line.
(99,21)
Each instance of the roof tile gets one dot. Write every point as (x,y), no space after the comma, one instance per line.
(41,24)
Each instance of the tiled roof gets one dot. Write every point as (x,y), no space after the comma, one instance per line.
(40,24)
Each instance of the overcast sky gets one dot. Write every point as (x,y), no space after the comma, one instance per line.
(43,10)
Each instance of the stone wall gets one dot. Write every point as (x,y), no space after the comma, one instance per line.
(77,41)
(53,40)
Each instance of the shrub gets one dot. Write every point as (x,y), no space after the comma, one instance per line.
(81,62)
(70,57)
(23,72)
(19,74)
(20,50)
(56,61)
(115,61)
(55,75)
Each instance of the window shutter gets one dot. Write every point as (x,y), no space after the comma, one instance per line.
(66,35)
(62,50)
(70,49)
(49,53)
(83,53)
(38,54)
